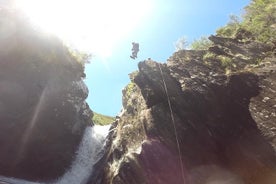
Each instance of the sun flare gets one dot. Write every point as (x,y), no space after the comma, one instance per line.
(89,25)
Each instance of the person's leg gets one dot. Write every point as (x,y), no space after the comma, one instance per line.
(134,54)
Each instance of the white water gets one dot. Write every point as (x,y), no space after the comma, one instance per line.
(88,154)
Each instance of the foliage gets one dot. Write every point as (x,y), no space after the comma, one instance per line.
(100,119)
(203,43)
(79,56)
(225,61)
(181,44)
(130,88)
(258,23)
(209,55)
(231,28)
(260,19)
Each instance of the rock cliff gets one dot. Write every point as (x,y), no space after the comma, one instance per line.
(205,116)
(43,112)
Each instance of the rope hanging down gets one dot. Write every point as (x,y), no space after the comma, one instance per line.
(173,121)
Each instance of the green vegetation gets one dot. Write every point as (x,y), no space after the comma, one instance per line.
(100,119)
(231,28)
(203,43)
(129,89)
(209,55)
(225,61)
(80,57)
(259,19)
(258,23)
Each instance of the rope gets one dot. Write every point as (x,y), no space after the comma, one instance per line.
(173,121)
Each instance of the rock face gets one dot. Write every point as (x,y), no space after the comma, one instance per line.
(43,112)
(189,121)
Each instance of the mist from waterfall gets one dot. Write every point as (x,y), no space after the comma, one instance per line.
(89,152)
(87,155)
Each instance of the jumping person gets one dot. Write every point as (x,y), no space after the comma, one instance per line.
(135,50)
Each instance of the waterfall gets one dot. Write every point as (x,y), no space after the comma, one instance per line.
(87,155)
(89,152)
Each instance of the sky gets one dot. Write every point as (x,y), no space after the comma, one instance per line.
(167,22)
(106,29)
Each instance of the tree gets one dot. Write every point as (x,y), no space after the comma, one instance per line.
(181,44)
(203,43)
(230,29)
(260,19)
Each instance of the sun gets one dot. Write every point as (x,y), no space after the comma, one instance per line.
(89,25)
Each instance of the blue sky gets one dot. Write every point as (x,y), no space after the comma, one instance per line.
(157,33)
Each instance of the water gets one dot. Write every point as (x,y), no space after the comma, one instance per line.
(88,154)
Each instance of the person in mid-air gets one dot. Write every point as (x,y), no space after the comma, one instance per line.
(135,50)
